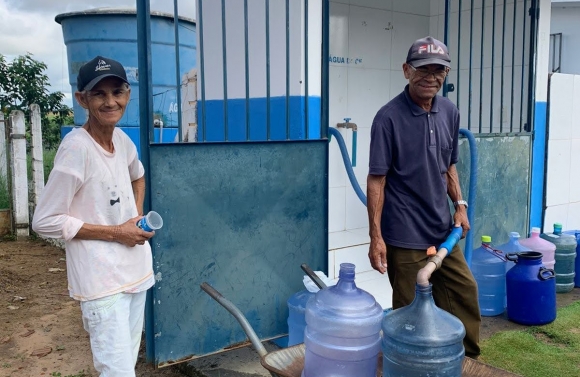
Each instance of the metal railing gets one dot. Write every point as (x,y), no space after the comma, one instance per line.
(494,91)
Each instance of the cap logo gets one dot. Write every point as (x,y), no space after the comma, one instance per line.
(431,49)
(102,66)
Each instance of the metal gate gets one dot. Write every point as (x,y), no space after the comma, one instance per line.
(246,205)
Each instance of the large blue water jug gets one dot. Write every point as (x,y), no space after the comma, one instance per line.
(576,233)
(342,336)
(296,316)
(488,268)
(565,257)
(531,290)
(422,340)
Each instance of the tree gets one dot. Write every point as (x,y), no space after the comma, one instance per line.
(24,82)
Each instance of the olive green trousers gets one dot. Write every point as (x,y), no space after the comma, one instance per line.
(454,288)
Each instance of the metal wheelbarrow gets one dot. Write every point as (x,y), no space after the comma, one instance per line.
(289,362)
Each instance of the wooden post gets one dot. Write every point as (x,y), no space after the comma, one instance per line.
(37,157)
(19,174)
(3,160)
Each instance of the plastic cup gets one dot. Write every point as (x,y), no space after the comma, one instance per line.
(152,221)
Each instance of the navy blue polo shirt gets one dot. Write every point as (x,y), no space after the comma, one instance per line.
(414,149)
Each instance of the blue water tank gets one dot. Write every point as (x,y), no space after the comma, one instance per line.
(113,33)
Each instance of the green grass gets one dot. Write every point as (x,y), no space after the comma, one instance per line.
(47,162)
(552,350)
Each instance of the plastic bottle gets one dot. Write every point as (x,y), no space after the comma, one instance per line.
(576,233)
(422,340)
(565,257)
(488,268)
(342,335)
(547,249)
(531,290)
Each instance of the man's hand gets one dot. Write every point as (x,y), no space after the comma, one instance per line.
(130,234)
(378,255)
(460,219)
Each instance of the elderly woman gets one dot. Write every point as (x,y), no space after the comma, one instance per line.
(93,200)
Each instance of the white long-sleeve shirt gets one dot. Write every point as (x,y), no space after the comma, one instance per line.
(90,185)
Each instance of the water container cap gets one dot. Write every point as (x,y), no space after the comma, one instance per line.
(486,239)
(514,235)
(557,226)
(535,229)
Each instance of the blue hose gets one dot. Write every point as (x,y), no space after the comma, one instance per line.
(472,181)
(346,159)
(472,186)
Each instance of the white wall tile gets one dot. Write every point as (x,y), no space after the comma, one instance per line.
(361,169)
(558,176)
(358,255)
(575,134)
(379,287)
(407,28)
(556,214)
(419,7)
(340,1)
(337,176)
(376,4)
(573,217)
(338,29)
(338,94)
(575,171)
(370,37)
(398,82)
(356,211)
(561,106)
(368,91)
(336,209)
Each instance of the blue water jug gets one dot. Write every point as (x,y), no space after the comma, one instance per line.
(489,267)
(512,246)
(576,233)
(342,336)
(422,340)
(531,290)
(296,316)
(565,257)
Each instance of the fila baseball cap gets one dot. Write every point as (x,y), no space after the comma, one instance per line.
(428,50)
(97,69)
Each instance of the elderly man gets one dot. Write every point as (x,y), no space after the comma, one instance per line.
(413,153)
(93,200)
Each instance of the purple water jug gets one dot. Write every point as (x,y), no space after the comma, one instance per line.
(547,249)
(342,335)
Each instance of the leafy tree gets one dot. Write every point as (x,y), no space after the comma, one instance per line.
(24,82)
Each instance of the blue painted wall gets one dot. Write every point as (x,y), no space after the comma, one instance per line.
(538,165)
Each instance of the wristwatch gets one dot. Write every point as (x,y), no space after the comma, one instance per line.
(455,204)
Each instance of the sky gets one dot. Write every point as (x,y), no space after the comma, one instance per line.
(28,26)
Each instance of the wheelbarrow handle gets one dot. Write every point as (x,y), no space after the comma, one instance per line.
(230,307)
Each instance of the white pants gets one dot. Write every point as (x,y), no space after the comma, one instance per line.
(115,324)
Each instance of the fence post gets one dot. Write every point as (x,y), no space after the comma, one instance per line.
(37,157)
(19,174)
(3,160)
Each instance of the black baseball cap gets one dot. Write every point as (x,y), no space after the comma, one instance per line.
(97,69)
(428,50)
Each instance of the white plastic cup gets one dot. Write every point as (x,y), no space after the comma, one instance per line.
(152,221)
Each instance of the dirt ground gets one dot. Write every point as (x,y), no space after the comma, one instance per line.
(41,331)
